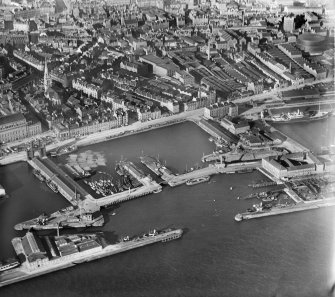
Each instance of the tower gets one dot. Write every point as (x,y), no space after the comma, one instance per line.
(46,77)
(209,50)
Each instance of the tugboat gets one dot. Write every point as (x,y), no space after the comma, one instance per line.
(52,186)
(38,174)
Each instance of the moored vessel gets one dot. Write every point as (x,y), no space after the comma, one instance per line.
(198,180)
(52,186)
(9,264)
(38,174)
(299,116)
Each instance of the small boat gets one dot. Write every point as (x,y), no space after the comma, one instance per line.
(231,188)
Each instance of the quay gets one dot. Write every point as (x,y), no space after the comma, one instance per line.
(98,248)
(148,186)
(210,170)
(69,188)
(175,180)
(302,206)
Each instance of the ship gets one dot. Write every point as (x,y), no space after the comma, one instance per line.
(9,264)
(51,253)
(69,217)
(66,150)
(52,186)
(299,116)
(2,192)
(119,170)
(198,180)
(78,172)
(38,174)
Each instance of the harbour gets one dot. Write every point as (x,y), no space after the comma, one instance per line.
(191,203)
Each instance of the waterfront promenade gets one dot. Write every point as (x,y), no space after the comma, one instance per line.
(137,127)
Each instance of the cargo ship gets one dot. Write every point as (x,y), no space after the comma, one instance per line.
(69,217)
(45,254)
(198,180)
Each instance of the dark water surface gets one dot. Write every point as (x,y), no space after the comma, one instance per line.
(289,255)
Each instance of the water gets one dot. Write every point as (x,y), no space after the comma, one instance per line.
(289,255)
(311,134)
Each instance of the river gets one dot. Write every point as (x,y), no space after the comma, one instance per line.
(288,255)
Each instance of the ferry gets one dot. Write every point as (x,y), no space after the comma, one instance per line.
(12,263)
(198,180)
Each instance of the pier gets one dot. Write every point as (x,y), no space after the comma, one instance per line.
(69,188)
(148,186)
(175,180)
(33,268)
(302,206)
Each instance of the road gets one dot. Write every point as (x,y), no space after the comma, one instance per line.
(277,91)
(136,127)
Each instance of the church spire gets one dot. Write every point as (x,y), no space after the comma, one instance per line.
(46,77)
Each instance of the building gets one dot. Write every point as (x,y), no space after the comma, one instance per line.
(88,89)
(66,131)
(288,24)
(314,44)
(33,250)
(235,128)
(15,127)
(220,110)
(293,165)
(135,67)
